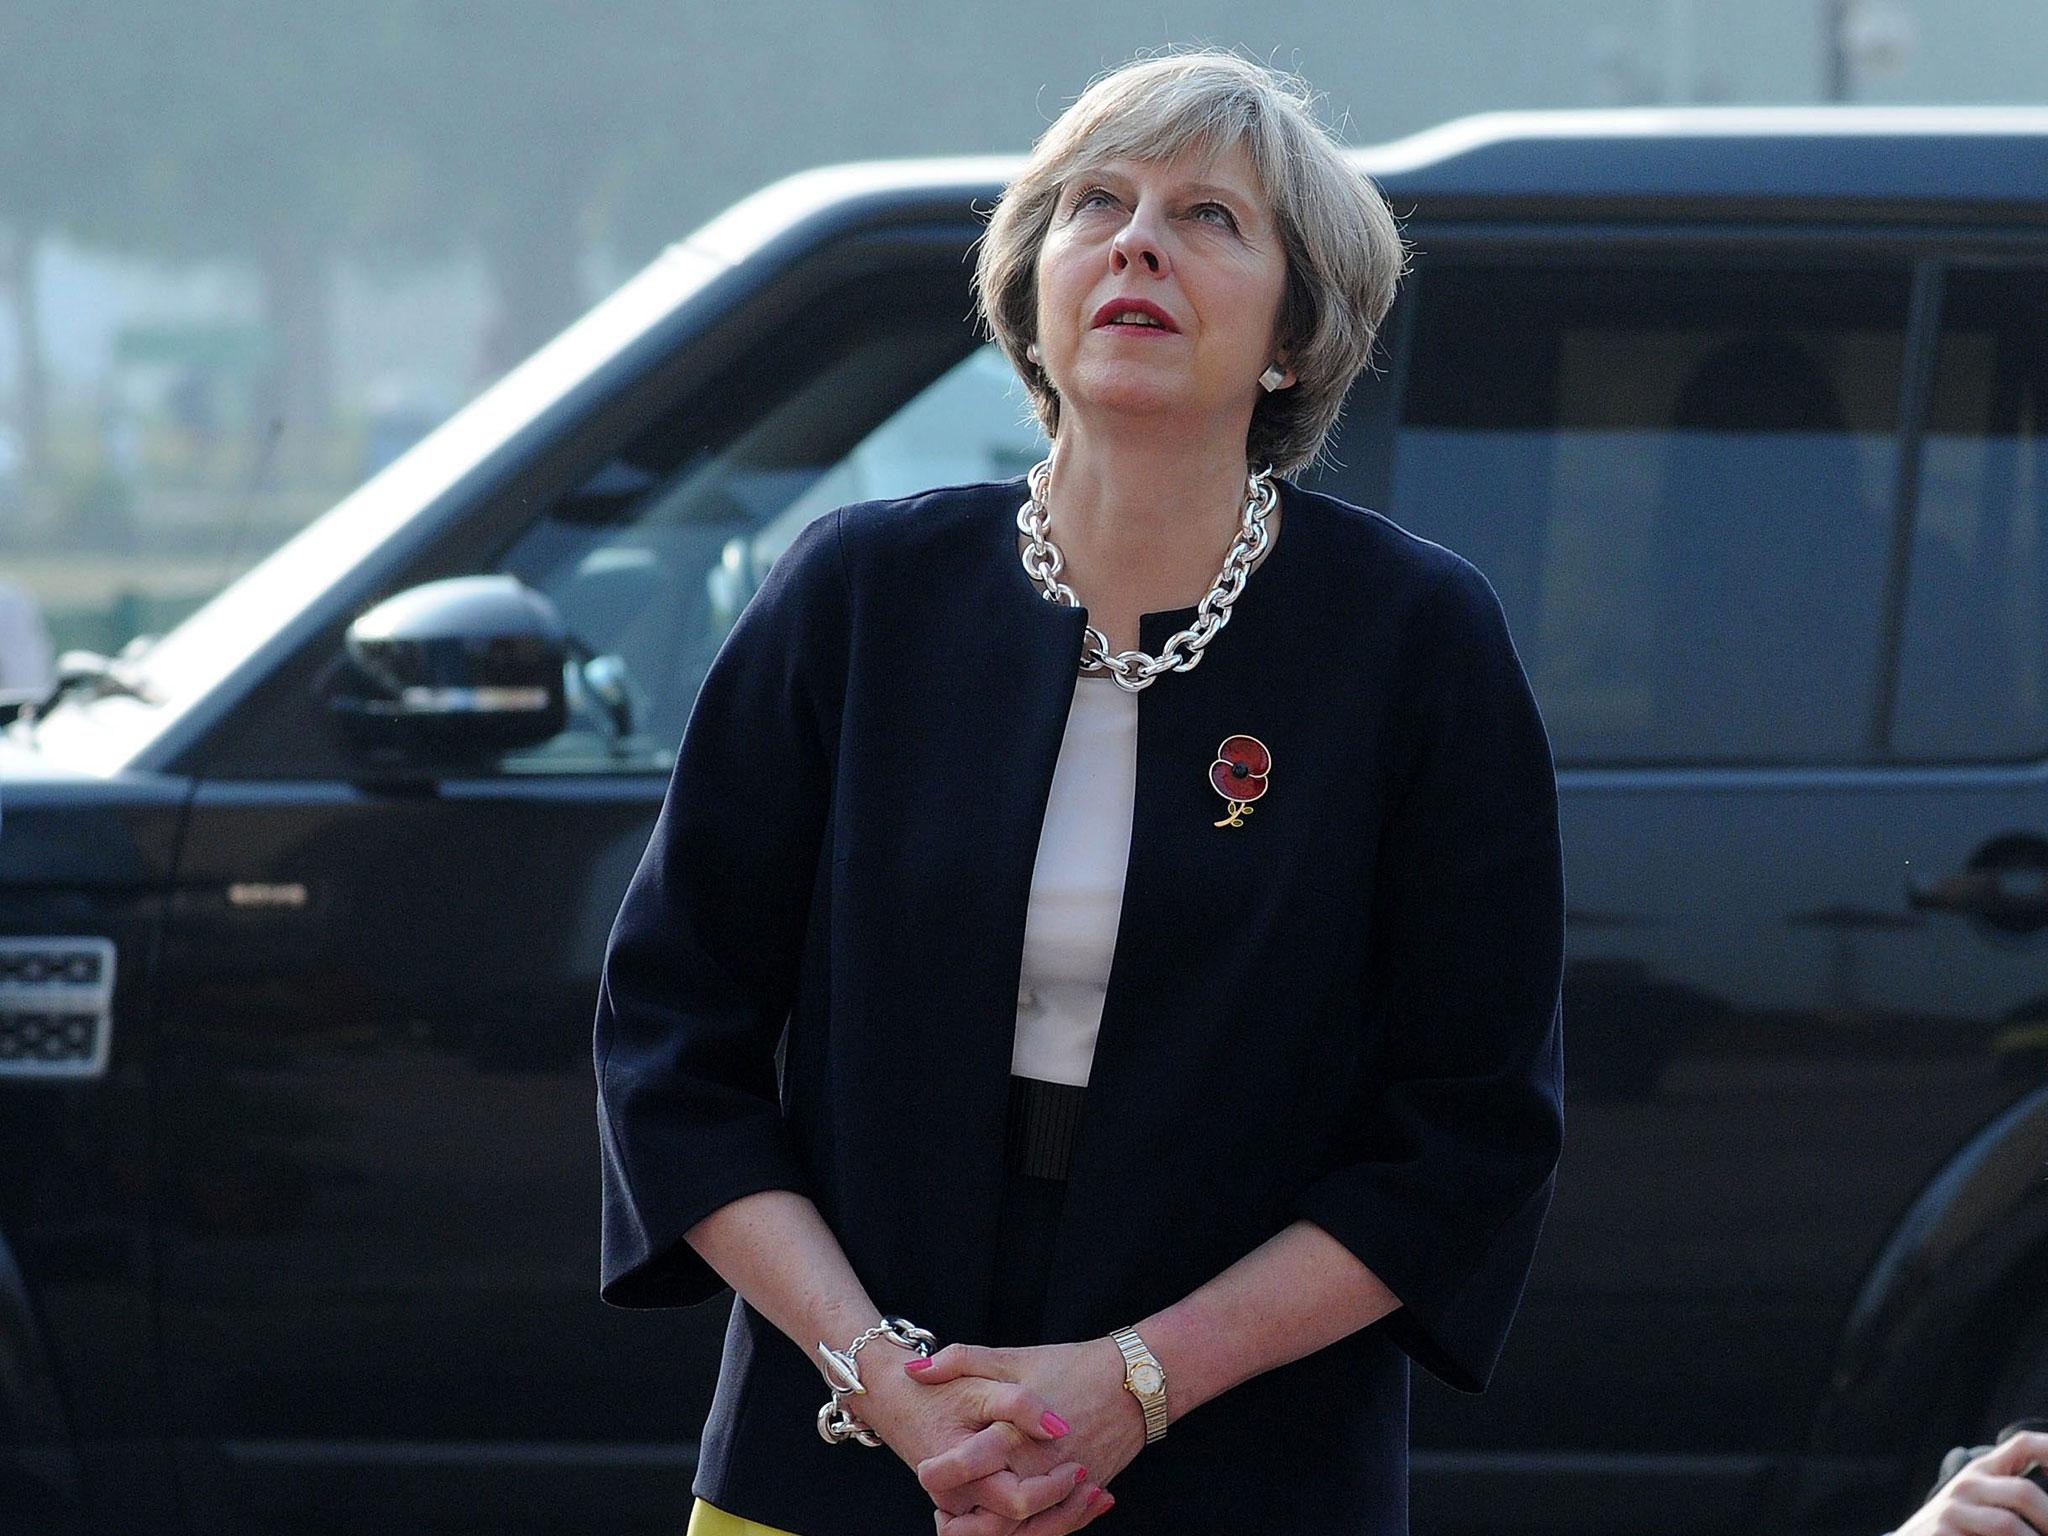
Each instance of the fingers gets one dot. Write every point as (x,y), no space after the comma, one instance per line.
(976,1483)
(2030,1503)
(1982,1501)
(981,1454)
(986,1451)
(1995,1495)
(957,1360)
(1032,1415)
(2011,1458)
(1083,1505)
(957,1501)
(2020,1455)
(1001,1397)
(1004,1398)
(1018,1497)
(978,1522)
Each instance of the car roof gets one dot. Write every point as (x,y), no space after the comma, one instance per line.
(1948,156)
(1917,163)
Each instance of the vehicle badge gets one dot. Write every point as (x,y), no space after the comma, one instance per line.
(1239,775)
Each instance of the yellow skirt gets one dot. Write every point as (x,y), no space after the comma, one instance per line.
(710,1520)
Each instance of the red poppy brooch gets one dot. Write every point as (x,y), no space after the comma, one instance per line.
(1239,775)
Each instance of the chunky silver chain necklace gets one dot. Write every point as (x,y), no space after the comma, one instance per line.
(1137,669)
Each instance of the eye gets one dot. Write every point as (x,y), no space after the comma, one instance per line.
(1228,218)
(1086,196)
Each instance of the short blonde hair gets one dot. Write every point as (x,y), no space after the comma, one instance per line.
(1345,253)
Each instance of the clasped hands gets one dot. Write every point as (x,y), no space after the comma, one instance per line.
(981,1426)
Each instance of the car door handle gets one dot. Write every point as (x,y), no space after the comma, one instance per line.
(2004,884)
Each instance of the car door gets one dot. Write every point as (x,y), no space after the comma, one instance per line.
(376,1210)
(1681,461)
(1971,722)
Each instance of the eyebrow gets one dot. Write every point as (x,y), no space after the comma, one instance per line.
(1211,189)
(1193,188)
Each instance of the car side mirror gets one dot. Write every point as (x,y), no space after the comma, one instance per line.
(451,673)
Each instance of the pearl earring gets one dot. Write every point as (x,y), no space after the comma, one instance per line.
(1032,351)
(1271,377)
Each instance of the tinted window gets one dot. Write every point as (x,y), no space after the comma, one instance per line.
(654,557)
(1678,478)
(1973,678)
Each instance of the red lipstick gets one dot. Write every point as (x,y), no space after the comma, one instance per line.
(1126,306)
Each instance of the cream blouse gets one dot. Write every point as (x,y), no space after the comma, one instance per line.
(1077,885)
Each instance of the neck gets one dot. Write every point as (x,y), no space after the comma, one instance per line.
(1143,517)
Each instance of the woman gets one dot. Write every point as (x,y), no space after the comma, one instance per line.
(1177,1047)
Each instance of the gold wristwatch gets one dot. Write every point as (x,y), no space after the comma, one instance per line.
(1144,1379)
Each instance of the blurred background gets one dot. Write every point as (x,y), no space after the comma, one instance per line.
(250,250)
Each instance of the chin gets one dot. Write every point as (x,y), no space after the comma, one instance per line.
(1136,394)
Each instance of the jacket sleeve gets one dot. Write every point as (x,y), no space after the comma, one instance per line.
(1457,1119)
(700,969)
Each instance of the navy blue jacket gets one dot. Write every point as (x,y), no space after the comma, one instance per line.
(1346,1009)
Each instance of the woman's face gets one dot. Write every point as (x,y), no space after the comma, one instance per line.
(1195,236)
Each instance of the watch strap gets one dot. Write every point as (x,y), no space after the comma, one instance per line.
(1153,1403)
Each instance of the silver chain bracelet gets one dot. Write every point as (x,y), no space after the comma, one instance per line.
(836,1422)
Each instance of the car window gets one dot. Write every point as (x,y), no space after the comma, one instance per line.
(1973,670)
(1678,476)
(650,561)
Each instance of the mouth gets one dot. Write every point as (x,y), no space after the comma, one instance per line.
(1134,317)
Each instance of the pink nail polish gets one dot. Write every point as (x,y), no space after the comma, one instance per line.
(914,1366)
(1080,1476)
(1108,1500)
(1053,1422)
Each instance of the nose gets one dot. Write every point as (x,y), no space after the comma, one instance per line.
(1137,241)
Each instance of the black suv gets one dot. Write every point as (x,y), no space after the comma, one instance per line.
(1745,415)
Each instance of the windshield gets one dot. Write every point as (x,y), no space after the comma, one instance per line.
(280,568)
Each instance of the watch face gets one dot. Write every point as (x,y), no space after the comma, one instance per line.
(1146,1378)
